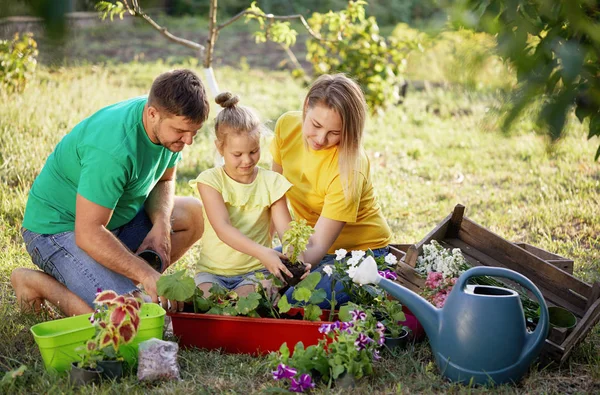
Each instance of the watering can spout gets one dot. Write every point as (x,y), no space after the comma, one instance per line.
(427,314)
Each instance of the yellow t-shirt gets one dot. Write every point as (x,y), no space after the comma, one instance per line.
(249,211)
(318,191)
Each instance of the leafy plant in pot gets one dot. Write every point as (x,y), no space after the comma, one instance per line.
(307,297)
(389,313)
(294,243)
(116,319)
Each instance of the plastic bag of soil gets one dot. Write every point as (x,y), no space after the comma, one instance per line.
(157,360)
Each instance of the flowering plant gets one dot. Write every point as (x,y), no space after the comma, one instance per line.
(441,268)
(349,347)
(345,266)
(116,319)
(389,313)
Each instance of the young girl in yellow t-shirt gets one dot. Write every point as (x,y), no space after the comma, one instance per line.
(240,200)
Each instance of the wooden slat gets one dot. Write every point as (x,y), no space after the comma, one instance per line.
(591,318)
(455,221)
(438,233)
(563,264)
(594,295)
(524,261)
(477,258)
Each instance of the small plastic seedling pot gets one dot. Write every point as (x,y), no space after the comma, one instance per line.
(153,259)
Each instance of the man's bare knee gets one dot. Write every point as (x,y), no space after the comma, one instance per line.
(188,216)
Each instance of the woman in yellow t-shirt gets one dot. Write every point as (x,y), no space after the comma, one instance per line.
(240,200)
(319,150)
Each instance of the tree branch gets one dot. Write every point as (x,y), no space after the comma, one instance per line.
(135,10)
(272,17)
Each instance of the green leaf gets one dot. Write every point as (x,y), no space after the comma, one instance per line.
(310,282)
(337,371)
(248,303)
(302,294)
(317,296)
(283,305)
(312,312)
(177,286)
(344,313)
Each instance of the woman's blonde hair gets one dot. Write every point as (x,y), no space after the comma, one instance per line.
(235,119)
(343,95)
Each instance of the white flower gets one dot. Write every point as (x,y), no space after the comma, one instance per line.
(340,254)
(351,271)
(358,254)
(391,259)
(328,270)
(353,261)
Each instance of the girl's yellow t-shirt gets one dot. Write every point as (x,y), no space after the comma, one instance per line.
(249,211)
(318,189)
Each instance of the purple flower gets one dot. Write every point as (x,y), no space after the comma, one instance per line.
(98,290)
(358,315)
(303,383)
(325,328)
(376,355)
(283,372)
(362,341)
(380,328)
(346,326)
(388,274)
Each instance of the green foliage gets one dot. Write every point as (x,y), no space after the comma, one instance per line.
(306,296)
(391,313)
(274,30)
(18,61)
(349,347)
(460,56)
(295,239)
(554,47)
(353,45)
(177,286)
(108,9)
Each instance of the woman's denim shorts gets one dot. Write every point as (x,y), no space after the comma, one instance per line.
(59,256)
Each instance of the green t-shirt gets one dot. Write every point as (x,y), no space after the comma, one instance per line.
(108,159)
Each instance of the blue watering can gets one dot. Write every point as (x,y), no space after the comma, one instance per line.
(479,335)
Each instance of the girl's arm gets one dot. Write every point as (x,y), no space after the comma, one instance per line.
(217,214)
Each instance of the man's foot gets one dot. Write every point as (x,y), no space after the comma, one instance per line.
(34,287)
(28,299)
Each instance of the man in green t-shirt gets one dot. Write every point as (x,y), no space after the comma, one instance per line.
(106,193)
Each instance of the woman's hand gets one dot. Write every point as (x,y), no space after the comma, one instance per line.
(271,259)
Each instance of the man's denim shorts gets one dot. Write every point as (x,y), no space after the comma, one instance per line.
(230,282)
(59,256)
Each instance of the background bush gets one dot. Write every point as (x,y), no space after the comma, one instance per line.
(18,60)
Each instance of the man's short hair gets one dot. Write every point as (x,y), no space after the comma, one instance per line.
(180,93)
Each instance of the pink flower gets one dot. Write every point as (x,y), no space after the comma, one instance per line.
(434,279)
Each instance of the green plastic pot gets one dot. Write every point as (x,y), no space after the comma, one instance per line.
(58,339)
(561,318)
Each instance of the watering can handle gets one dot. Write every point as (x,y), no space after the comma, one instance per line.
(538,336)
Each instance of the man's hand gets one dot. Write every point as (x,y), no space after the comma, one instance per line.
(271,259)
(149,284)
(158,240)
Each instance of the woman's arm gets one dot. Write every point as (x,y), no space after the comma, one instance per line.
(276,167)
(218,216)
(326,232)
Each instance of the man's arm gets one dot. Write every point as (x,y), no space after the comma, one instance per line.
(159,207)
(98,242)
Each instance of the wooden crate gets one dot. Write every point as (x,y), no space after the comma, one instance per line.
(551,273)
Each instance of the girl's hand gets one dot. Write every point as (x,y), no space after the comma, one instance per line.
(272,261)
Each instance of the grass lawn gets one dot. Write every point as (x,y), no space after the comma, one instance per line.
(440,148)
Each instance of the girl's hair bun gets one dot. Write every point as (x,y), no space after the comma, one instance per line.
(227,99)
